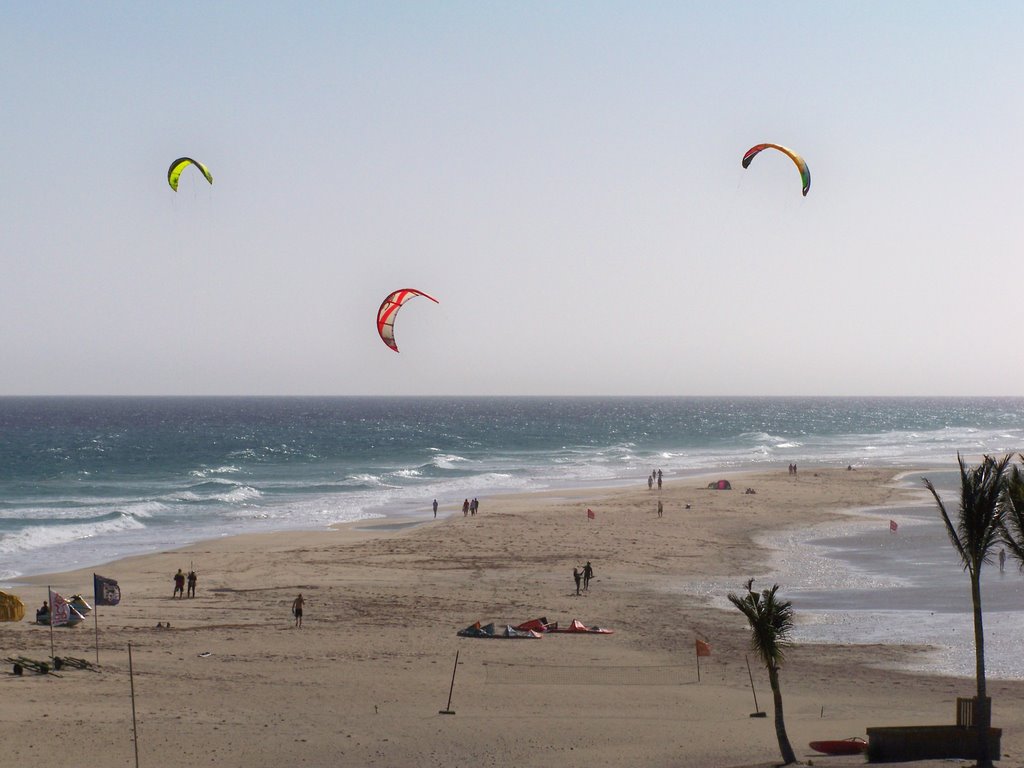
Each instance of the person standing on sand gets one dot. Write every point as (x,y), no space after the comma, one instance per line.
(192,579)
(465,508)
(577,575)
(297,604)
(650,482)
(588,574)
(660,508)
(435,509)
(179,585)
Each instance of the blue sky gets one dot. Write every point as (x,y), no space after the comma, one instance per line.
(564,178)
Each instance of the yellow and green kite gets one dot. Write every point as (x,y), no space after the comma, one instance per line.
(179,165)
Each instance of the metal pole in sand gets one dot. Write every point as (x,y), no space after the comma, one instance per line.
(135,729)
(757,712)
(49,594)
(448,710)
(96,623)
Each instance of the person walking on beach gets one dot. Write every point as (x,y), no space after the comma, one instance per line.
(660,508)
(192,579)
(577,575)
(179,585)
(650,481)
(297,604)
(588,574)
(1002,559)
(465,508)
(659,479)
(435,509)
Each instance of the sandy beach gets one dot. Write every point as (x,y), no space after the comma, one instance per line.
(232,682)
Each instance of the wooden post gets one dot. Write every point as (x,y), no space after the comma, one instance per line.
(448,710)
(135,729)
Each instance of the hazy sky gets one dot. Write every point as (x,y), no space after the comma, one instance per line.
(564,177)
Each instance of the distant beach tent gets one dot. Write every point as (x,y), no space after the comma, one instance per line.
(389,309)
(720,485)
(179,165)
(11,608)
(801,165)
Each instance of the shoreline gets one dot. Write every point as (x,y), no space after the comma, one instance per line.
(572,490)
(362,681)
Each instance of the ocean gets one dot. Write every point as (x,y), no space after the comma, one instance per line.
(84,481)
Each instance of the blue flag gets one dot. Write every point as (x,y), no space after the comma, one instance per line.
(105,591)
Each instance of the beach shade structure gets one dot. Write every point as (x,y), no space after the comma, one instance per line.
(720,485)
(11,607)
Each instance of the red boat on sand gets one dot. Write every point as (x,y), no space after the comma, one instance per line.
(851,746)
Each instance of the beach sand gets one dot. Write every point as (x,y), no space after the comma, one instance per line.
(234,683)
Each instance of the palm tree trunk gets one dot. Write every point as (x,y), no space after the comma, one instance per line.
(982,712)
(788,756)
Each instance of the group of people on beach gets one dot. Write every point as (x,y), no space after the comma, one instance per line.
(583,575)
(179,584)
(469,507)
(792,469)
(654,477)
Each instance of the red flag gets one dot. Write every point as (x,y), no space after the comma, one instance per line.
(60,611)
(703,649)
(590,514)
(893,526)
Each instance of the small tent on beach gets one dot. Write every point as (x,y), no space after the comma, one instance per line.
(721,485)
(11,608)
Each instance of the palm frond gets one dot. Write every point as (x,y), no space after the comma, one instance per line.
(978,524)
(1013,513)
(771,622)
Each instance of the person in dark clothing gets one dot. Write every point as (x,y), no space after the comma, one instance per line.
(588,574)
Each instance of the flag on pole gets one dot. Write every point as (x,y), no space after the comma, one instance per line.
(590,514)
(893,526)
(703,649)
(105,591)
(60,611)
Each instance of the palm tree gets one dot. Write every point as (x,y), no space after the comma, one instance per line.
(771,624)
(977,530)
